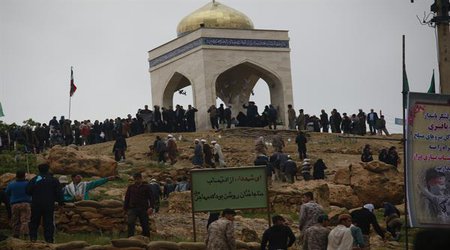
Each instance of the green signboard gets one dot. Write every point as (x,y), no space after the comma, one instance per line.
(236,188)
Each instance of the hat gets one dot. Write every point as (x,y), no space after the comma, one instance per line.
(153,180)
(228,211)
(289,157)
(369,207)
(169,136)
(63,179)
(213,142)
(203,140)
(196,140)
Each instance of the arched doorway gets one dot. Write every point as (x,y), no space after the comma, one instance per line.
(178,91)
(239,84)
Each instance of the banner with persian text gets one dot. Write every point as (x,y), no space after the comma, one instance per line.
(428,160)
(236,188)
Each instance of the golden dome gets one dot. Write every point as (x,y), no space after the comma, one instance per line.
(214,15)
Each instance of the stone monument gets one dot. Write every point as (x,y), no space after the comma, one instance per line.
(220,54)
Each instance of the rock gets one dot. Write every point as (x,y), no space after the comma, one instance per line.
(5,179)
(111,203)
(68,160)
(191,246)
(377,166)
(141,238)
(128,243)
(90,215)
(375,188)
(162,245)
(253,245)
(343,196)
(249,235)
(17,244)
(88,203)
(73,245)
(85,209)
(111,211)
(342,176)
(334,214)
(288,197)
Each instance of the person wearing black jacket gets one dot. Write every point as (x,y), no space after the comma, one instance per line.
(44,190)
(365,217)
(139,203)
(279,236)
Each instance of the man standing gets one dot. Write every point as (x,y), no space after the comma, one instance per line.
(197,160)
(372,118)
(290,170)
(221,232)
(207,153)
(301,120)
(279,236)
(340,238)
(291,117)
(309,211)
(78,190)
(324,122)
(227,116)
(190,118)
(44,190)
(172,149)
(301,144)
(316,236)
(138,203)
(365,217)
(155,189)
(20,205)
(218,154)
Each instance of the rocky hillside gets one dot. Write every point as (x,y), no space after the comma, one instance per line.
(349,183)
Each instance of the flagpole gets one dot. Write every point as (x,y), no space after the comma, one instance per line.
(405,93)
(70,92)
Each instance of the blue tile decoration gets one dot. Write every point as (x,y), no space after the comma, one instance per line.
(213,41)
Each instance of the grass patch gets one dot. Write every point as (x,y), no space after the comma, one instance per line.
(91,238)
(11,161)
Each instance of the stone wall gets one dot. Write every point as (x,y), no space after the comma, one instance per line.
(91,216)
(132,243)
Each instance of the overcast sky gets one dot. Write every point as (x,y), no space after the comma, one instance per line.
(345,54)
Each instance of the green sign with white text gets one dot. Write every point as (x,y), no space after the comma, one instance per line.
(236,188)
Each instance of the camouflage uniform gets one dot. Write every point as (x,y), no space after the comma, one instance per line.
(309,212)
(316,238)
(221,235)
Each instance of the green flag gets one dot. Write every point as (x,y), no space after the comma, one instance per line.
(1,110)
(432,89)
(405,89)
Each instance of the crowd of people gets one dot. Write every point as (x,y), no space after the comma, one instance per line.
(37,137)
(28,202)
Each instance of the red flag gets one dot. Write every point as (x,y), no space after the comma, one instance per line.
(73,88)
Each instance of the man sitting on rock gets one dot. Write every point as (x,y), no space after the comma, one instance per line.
(78,190)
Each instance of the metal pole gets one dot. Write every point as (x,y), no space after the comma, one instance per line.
(404,151)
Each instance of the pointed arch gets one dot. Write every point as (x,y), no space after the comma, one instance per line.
(176,82)
(235,84)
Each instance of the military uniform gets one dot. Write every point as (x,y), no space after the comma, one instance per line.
(221,235)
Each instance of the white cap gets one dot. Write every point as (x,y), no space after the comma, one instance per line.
(63,179)
(213,142)
(170,136)
(369,207)
(196,140)
(203,140)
